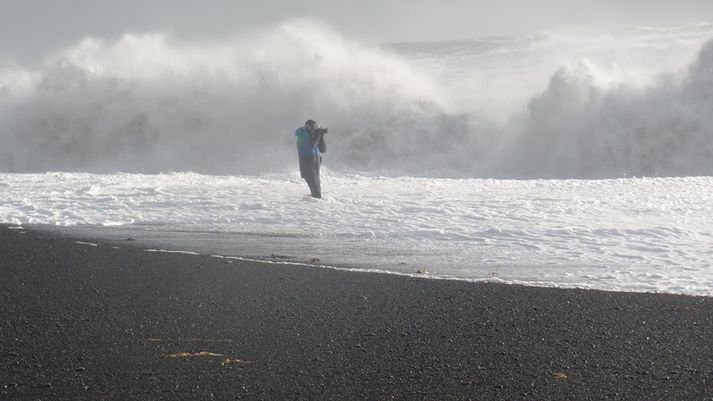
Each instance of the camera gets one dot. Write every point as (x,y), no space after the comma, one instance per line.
(320,131)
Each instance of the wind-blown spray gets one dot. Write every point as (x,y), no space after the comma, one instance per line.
(149,103)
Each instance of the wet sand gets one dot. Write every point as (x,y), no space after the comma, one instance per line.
(114,322)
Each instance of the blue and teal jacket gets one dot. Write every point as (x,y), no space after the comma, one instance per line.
(307,146)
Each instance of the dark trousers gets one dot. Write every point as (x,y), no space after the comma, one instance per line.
(309,170)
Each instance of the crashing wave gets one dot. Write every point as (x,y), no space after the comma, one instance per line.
(150,103)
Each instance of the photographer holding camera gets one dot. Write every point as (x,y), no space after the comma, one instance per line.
(310,146)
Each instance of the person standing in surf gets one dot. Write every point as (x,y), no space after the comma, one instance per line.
(310,146)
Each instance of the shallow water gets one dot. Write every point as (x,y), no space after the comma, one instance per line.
(639,234)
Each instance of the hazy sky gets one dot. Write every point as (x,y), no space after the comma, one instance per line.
(30,28)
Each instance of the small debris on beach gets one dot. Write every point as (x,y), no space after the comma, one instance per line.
(421,271)
(560,376)
(194,339)
(229,361)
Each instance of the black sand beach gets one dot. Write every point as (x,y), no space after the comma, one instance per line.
(114,322)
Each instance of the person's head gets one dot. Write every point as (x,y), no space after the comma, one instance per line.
(310,126)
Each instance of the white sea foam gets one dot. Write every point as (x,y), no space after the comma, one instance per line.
(645,234)
(86,243)
(173,251)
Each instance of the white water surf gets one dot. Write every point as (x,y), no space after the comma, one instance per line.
(645,234)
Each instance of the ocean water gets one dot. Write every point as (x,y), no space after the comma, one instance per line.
(562,160)
(635,234)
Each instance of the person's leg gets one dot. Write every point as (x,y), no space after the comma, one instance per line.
(313,183)
(305,167)
(309,169)
(316,186)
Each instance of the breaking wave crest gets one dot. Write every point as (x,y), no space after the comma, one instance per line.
(150,103)
(577,128)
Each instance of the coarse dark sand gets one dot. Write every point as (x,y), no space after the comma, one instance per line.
(114,322)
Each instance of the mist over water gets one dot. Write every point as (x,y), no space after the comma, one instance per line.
(546,106)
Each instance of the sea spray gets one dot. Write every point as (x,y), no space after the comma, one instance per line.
(151,103)
(579,128)
(146,103)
